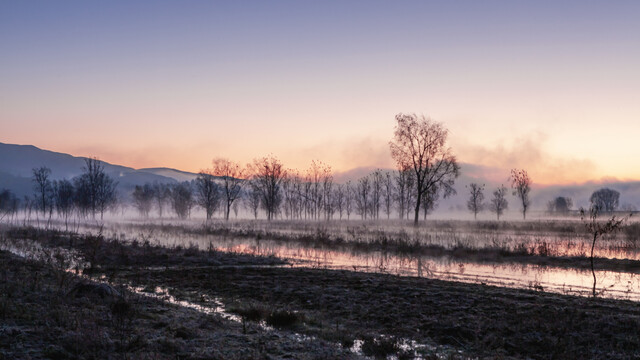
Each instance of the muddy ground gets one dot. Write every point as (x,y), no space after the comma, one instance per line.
(382,312)
(42,319)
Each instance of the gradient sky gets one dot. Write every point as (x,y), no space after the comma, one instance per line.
(550,86)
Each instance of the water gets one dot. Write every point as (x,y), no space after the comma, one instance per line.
(613,284)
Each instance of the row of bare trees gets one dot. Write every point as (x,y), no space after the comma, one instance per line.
(426,170)
(91,193)
(521,186)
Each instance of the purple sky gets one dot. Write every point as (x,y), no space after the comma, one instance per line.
(549,86)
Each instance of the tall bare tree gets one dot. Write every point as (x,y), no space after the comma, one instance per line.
(232,176)
(327,193)
(252,198)
(207,192)
(43,187)
(476,197)
(521,185)
(161,195)
(349,194)
(363,196)
(376,193)
(499,202)
(268,173)
(143,196)
(388,193)
(419,144)
(314,179)
(339,199)
(292,188)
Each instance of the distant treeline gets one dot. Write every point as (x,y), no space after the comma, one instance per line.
(426,171)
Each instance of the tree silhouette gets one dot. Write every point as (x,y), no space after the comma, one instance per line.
(43,187)
(597,229)
(268,173)
(232,176)
(605,200)
(207,193)
(521,185)
(419,143)
(499,202)
(476,197)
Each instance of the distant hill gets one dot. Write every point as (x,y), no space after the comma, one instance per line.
(177,175)
(17,162)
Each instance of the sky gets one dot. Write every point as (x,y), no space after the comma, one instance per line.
(549,86)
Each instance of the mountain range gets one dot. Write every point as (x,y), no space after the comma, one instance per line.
(18,161)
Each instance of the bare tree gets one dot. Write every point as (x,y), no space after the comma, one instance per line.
(376,193)
(252,198)
(181,196)
(143,197)
(521,185)
(605,200)
(362,197)
(476,197)
(63,199)
(161,195)
(388,193)
(233,177)
(349,195)
(596,228)
(95,190)
(43,187)
(292,188)
(499,202)
(207,193)
(314,179)
(420,144)
(268,173)
(339,199)
(327,186)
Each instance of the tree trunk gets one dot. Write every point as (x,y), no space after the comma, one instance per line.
(593,272)
(417,214)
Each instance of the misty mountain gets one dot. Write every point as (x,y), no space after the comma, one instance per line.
(17,162)
(177,175)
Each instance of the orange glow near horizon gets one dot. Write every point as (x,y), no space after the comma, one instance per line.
(489,164)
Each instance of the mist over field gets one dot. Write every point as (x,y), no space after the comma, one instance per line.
(18,161)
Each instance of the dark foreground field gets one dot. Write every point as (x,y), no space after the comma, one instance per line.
(384,314)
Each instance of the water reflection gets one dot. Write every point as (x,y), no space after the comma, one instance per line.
(622,285)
